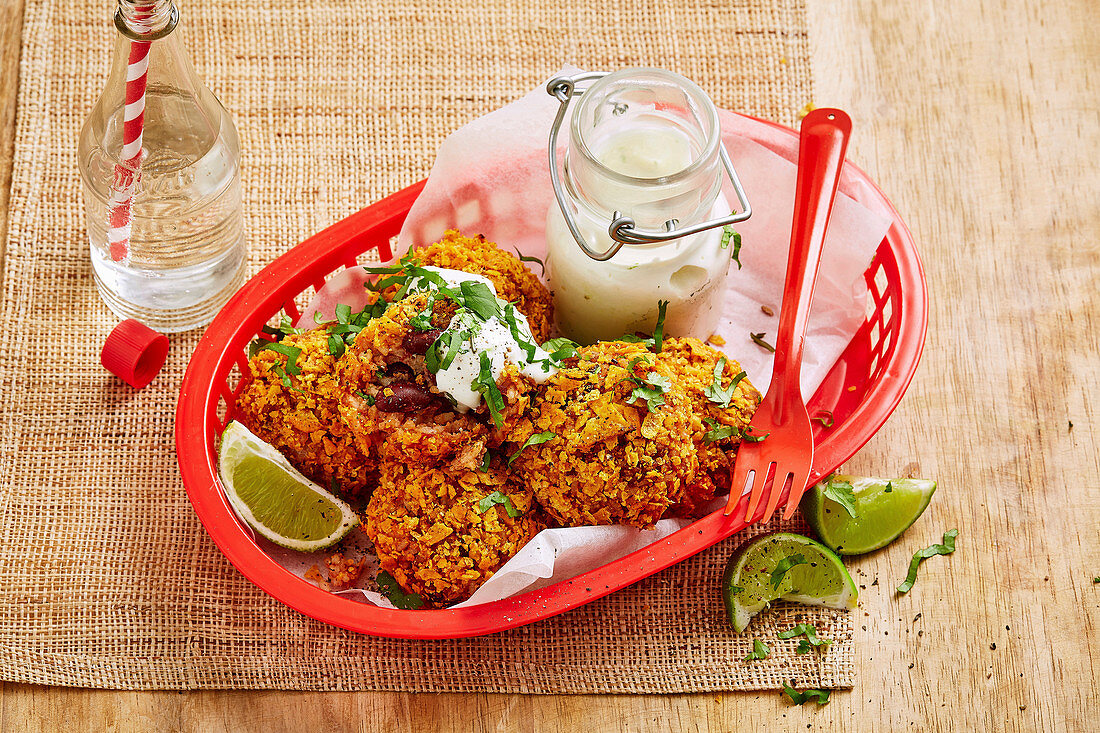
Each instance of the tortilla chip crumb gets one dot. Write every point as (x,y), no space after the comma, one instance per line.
(716,340)
(810,107)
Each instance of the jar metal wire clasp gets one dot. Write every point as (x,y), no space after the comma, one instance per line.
(622,228)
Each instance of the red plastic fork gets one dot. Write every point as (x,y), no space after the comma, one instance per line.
(786,455)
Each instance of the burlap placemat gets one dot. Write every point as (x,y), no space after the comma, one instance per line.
(107,579)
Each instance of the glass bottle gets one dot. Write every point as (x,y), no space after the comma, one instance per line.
(163,217)
(643,144)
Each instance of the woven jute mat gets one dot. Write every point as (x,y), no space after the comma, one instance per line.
(107,579)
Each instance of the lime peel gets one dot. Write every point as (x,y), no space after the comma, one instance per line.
(275,499)
(881,510)
(819,580)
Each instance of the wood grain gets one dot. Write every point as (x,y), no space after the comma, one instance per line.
(981,121)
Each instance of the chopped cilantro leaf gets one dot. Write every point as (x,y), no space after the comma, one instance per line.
(343,313)
(651,389)
(785,565)
(369,398)
(946,548)
(397,595)
(718,432)
(809,631)
(760,650)
(889,487)
(750,438)
(529,258)
(536,439)
(715,392)
(497,498)
(487,386)
(758,339)
(841,492)
(484,466)
(801,698)
(290,352)
(561,348)
(479,298)
(727,235)
(659,329)
(336,346)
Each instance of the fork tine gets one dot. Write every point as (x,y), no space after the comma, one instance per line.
(738,475)
(795,497)
(777,490)
(759,480)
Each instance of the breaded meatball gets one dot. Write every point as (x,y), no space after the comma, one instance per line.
(298,414)
(440,525)
(693,366)
(619,449)
(511,278)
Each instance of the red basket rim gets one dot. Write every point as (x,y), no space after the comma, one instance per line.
(200,391)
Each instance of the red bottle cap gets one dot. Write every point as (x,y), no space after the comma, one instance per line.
(134,353)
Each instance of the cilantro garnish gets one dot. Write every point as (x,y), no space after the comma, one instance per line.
(758,339)
(784,565)
(659,329)
(889,487)
(651,389)
(484,466)
(946,548)
(561,348)
(497,498)
(715,392)
(536,439)
(512,321)
(285,328)
(336,346)
(369,398)
(718,432)
(529,258)
(487,386)
(725,432)
(760,650)
(825,417)
(801,698)
(808,643)
(290,352)
(479,298)
(727,235)
(397,595)
(750,438)
(841,492)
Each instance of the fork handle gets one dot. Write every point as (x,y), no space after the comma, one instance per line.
(823,140)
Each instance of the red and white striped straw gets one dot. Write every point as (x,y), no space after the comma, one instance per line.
(128,170)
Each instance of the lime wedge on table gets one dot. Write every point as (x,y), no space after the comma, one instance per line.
(884,509)
(784,566)
(275,499)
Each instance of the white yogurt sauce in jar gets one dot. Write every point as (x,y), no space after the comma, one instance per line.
(643,142)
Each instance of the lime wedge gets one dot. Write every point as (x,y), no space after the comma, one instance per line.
(784,566)
(276,500)
(884,508)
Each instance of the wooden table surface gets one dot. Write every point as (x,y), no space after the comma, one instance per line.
(981,120)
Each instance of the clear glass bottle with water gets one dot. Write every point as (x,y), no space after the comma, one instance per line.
(164,210)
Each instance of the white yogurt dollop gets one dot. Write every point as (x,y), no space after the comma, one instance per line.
(492,337)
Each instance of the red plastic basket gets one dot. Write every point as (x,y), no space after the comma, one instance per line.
(862,390)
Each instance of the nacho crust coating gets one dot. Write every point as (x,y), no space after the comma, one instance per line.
(692,364)
(424,518)
(303,421)
(611,460)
